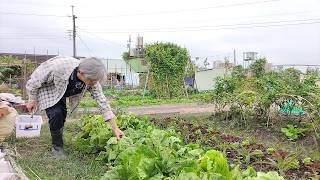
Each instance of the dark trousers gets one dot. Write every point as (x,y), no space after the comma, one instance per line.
(57,115)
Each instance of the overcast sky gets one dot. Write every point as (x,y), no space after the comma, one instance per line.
(283,31)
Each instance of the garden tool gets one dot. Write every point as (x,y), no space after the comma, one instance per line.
(29,126)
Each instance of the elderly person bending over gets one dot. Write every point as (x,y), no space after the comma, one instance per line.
(64,77)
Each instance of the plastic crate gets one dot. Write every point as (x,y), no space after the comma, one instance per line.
(27,126)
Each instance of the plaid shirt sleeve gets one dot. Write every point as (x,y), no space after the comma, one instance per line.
(97,94)
(41,76)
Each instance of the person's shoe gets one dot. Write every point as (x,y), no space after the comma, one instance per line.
(58,152)
(57,144)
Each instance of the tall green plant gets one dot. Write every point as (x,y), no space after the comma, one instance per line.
(258,67)
(238,72)
(168,68)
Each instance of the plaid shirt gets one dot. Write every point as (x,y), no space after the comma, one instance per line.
(49,82)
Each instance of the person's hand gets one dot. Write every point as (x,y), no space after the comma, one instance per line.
(117,131)
(119,134)
(31,106)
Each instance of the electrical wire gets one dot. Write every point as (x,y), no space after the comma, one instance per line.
(182,10)
(220,27)
(88,49)
(32,14)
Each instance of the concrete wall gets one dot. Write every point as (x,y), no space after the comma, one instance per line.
(205,80)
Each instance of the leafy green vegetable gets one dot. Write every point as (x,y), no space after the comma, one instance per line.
(270,150)
(249,172)
(257,153)
(214,161)
(293,132)
(272,175)
(288,162)
(88,103)
(150,153)
(307,161)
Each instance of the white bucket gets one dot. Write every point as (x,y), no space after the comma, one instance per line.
(27,126)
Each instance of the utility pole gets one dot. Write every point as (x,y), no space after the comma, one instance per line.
(129,45)
(234,57)
(24,75)
(74,32)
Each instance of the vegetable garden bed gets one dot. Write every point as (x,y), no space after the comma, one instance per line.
(150,152)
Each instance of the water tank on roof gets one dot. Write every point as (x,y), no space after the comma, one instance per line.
(249,56)
(139,42)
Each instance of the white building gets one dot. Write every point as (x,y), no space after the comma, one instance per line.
(120,73)
(206,79)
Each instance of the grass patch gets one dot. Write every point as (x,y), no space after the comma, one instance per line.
(137,101)
(127,98)
(35,157)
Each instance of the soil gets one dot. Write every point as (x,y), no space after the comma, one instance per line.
(264,163)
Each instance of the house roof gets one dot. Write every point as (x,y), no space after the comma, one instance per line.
(202,70)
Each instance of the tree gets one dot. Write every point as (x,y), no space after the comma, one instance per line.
(13,67)
(238,72)
(258,67)
(10,69)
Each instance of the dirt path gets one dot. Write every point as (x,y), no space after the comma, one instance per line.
(151,110)
(192,108)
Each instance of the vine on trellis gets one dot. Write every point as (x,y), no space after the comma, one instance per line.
(168,64)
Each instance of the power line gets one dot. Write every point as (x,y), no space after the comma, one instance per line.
(45,4)
(40,28)
(212,29)
(247,17)
(27,34)
(218,27)
(240,24)
(31,35)
(18,35)
(88,49)
(259,16)
(183,10)
(32,38)
(287,13)
(98,37)
(32,14)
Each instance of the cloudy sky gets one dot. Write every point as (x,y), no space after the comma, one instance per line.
(283,31)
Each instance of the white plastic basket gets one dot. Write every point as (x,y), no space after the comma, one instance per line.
(27,126)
